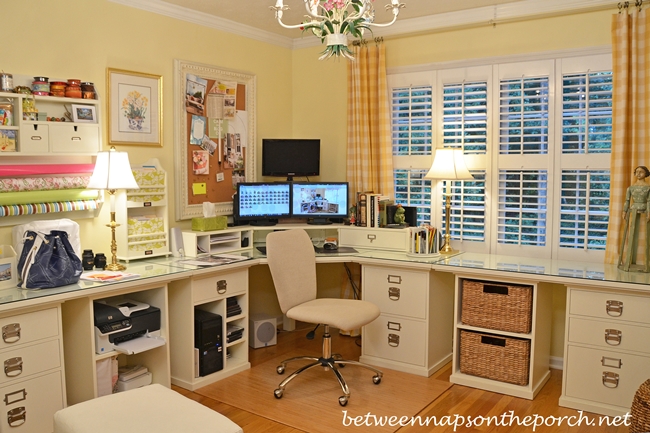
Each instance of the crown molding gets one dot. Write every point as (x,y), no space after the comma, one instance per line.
(489,15)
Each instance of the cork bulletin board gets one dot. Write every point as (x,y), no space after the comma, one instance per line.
(214,136)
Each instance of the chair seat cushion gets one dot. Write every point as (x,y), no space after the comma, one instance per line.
(152,408)
(344,314)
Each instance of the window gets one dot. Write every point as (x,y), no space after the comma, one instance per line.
(536,136)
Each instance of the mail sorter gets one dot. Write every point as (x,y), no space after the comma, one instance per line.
(126,326)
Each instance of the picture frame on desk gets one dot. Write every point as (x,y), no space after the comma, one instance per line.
(134,108)
(84,113)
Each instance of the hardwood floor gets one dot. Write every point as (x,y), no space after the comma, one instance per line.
(457,401)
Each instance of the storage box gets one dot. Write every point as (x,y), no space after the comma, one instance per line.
(209,224)
(136,382)
(8,273)
(505,307)
(495,357)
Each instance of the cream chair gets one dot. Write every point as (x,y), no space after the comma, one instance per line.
(292,262)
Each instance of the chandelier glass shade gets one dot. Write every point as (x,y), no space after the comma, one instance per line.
(333,20)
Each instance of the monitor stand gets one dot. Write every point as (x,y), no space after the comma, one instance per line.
(263,222)
(320,221)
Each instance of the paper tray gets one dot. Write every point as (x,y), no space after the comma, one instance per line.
(140,344)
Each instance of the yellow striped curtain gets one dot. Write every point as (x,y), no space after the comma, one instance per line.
(630,135)
(369,156)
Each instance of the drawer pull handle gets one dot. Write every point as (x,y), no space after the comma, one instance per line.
(17,417)
(495,290)
(394,279)
(610,380)
(372,237)
(614,308)
(611,362)
(13,366)
(393,293)
(15,397)
(394,326)
(11,333)
(75,138)
(493,341)
(613,337)
(393,340)
(36,137)
(222,286)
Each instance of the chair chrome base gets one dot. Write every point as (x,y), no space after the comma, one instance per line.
(328,362)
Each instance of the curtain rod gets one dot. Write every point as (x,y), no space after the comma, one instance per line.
(359,42)
(626,4)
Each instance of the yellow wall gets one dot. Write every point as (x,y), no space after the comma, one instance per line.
(297,95)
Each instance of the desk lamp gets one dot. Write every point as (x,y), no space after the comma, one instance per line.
(448,165)
(113,171)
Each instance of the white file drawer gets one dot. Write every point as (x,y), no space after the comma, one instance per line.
(397,291)
(220,286)
(28,360)
(25,328)
(34,138)
(396,338)
(68,138)
(613,306)
(384,239)
(29,406)
(604,376)
(609,335)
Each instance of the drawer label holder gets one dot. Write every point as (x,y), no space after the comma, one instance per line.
(15,397)
(611,362)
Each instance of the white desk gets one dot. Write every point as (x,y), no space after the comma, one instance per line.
(428,305)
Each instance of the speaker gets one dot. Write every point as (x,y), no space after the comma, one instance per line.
(262,331)
(208,332)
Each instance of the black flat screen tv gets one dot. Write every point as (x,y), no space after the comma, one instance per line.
(290,157)
(262,203)
(319,201)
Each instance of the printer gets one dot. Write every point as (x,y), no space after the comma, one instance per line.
(126,326)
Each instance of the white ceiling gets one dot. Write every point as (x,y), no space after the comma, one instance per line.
(253,18)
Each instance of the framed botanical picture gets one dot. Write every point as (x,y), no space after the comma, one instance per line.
(84,113)
(134,108)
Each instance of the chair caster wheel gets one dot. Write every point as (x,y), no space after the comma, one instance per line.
(280,369)
(278,393)
(376,380)
(343,400)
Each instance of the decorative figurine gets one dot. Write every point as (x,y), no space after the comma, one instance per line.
(353,215)
(636,204)
(399,217)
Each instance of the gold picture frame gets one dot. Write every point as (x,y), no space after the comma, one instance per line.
(134,108)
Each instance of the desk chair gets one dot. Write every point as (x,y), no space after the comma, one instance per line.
(292,262)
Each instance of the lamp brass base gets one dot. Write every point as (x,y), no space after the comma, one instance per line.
(115,267)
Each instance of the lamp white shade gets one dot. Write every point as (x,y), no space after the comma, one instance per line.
(112,171)
(448,164)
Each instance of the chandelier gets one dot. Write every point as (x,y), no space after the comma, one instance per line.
(333,20)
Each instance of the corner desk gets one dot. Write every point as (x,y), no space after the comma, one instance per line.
(48,346)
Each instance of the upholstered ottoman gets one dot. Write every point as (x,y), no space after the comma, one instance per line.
(152,408)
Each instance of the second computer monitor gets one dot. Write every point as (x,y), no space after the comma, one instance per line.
(319,201)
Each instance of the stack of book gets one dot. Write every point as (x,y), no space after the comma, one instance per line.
(232,307)
(371,209)
(233,333)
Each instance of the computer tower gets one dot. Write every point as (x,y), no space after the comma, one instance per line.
(208,340)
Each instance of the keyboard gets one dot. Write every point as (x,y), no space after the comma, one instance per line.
(261,250)
(319,250)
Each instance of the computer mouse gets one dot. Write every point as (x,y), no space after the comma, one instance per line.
(330,246)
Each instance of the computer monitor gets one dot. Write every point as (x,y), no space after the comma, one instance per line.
(262,203)
(289,157)
(319,201)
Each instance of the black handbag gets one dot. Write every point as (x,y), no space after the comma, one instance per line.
(48,260)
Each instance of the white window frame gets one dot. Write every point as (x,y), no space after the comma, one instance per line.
(554,65)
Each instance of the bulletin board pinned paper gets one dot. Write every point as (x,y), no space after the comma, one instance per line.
(215,138)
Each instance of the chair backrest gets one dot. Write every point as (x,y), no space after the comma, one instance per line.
(292,262)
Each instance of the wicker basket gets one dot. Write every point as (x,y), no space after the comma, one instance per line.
(504,307)
(641,409)
(495,357)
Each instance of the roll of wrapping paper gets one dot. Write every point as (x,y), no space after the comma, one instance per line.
(42,208)
(41,169)
(46,183)
(28,197)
